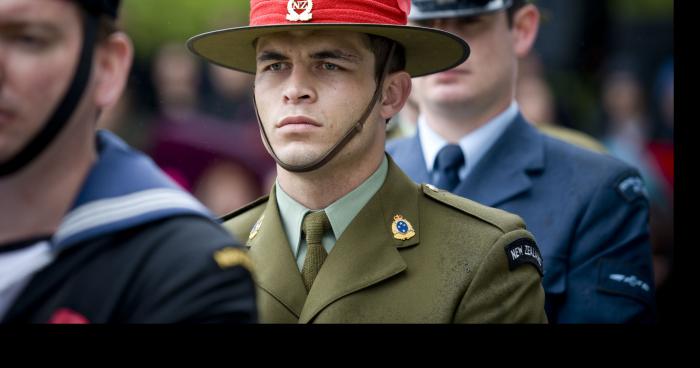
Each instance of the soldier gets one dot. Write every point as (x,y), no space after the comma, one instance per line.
(344,235)
(588,211)
(90,230)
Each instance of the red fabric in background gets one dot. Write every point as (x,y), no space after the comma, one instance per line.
(662,152)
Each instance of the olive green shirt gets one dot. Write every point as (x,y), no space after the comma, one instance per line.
(340,213)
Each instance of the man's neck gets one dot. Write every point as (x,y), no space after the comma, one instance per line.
(35,199)
(320,188)
(453,122)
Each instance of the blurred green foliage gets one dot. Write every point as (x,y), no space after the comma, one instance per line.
(151,23)
(642,9)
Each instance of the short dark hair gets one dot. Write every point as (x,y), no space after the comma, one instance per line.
(105,28)
(510,12)
(106,23)
(380,47)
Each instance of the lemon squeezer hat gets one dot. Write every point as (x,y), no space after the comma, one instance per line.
(427,50)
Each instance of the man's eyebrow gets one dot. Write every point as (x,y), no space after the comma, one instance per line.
(336,54)
(19,25)
(271,55)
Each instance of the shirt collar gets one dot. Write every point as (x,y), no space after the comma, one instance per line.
(474,145)
(340,213)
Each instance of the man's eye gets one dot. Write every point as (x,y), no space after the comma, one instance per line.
(329,66)
(29,40)
(276,67)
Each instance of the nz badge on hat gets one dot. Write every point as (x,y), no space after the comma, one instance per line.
(402,229)
(295,5)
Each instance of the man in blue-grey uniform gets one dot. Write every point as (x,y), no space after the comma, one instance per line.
(90,230)
(588,212)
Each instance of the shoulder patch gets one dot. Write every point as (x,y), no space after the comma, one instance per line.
(522,251)
(245,208)
(631,187)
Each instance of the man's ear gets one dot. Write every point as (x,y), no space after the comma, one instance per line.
(526,22)
(113,60)
(397,88)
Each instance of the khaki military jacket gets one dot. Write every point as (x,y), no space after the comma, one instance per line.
(460,266)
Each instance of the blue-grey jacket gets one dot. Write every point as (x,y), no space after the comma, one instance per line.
(588,212)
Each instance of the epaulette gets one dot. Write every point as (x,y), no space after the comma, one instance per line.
(245,208)
(503,220)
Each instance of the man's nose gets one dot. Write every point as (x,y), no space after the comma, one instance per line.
(299,87)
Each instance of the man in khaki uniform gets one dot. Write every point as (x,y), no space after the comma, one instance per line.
(345,236)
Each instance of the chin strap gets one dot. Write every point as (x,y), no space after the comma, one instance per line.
(64,109)
(356,128)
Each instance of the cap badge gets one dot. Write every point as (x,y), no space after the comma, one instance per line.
(402,229)
(304,5)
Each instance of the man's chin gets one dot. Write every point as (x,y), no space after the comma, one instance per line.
(299,158)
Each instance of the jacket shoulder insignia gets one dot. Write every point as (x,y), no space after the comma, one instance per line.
(522,251)
(503,220)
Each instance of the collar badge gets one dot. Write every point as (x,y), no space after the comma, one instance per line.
(402,229)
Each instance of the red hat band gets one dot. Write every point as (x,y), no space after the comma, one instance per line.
(277,12)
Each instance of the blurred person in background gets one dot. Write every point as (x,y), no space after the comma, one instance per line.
(588,212)
(194,146)
(91,231)
(230,98)
(662,152)
(538,105)
(630,137)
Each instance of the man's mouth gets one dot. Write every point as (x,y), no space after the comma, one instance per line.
(297,121)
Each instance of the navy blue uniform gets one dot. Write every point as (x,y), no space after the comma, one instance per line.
(135,248)
(588,212)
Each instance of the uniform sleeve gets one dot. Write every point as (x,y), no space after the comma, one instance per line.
(198,274)
(609,276)
(503,290)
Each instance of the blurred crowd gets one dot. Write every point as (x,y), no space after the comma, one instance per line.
(602,76)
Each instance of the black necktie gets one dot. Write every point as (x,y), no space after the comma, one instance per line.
(447,164)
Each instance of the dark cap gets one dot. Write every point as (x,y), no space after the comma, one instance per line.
(432,9)
(99,7)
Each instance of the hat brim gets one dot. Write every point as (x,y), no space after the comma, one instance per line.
(427,50)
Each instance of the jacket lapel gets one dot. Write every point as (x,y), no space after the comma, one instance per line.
(276,269)
(505,170)
(366,253)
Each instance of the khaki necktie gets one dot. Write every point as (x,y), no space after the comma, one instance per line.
(314,225)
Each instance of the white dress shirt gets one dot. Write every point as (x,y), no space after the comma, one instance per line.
(474,145)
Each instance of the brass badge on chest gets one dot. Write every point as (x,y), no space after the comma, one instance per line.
(402,229)
(304,5)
